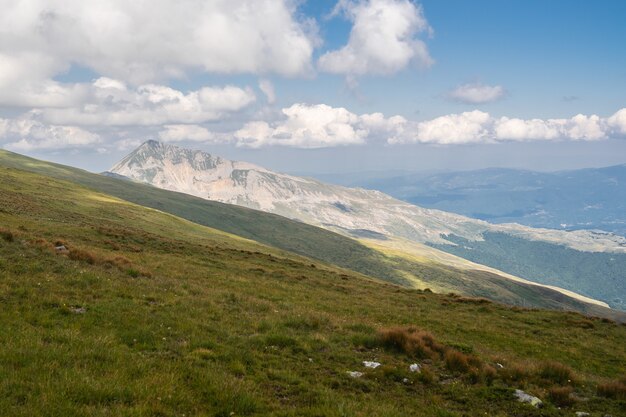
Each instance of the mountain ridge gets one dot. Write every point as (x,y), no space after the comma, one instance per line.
(359,212)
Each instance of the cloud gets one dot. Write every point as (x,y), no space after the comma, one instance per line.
(477,93)
(178,133)
(618,122)
(480,127)
(383,40)
(110,102)
(267,88)
(313,126)
(147,41)
(27,134)
(453,129)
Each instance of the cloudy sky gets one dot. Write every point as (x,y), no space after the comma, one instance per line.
(318,85)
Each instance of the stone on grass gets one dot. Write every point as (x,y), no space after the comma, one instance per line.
(415,367)
(527,398)
(372,365)
(355,374)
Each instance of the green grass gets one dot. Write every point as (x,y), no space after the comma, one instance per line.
(213,324)
(312,242)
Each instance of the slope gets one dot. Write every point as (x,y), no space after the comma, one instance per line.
(318,243)
(145,313)
(360,212)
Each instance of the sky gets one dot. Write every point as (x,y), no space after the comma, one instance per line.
(318,86)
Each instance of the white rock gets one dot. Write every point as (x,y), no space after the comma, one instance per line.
(582,414)
(355,374)
(415,368)
(527,398)
(372,365)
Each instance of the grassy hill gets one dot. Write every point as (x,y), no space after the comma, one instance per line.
(545,266)
(147,314)
(314,242)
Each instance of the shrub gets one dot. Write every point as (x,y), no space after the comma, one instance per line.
(614,389)
(561,396)
(556,372)
(412,341)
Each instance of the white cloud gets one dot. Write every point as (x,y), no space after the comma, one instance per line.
(267,88)
(27,134)
(383,40)
(477,93)
(313,126)
(455,128)
(480,127)
(618,121)
(178,133)
(110,102)
(150,40)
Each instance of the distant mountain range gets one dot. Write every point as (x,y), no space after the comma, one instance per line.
(593,198)
(379,219)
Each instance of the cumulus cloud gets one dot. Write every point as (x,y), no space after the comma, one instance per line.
(178,133)
(480,127)
(383,40)
(618,121)
(146,41)
(314,126)
(28,134)
(110,102)
(267,88)
(477,93)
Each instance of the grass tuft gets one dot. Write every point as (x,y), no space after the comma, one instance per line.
(7,235)
(411,341)
(556,372)
(614,389)
(561,396)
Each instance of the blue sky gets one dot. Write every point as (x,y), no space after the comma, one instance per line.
(319,86)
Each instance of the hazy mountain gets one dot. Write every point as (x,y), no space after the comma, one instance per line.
(373,214)
(592,198)
(349,210)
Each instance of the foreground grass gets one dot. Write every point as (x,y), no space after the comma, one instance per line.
(148,314)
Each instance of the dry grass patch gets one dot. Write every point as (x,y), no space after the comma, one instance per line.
(7,235)
(561,396)
(412,341)
(613,389)
(556,372)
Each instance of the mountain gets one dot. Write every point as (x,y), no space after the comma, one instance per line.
(406,263)
(113,308)
(593,198)
(371,214)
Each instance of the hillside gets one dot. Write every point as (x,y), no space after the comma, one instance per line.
(357,212)
(144,313)
(593,198)
(322,245)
